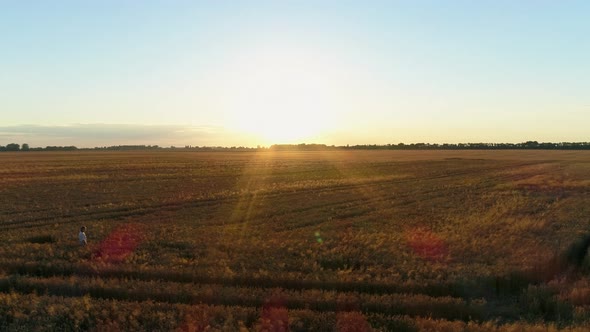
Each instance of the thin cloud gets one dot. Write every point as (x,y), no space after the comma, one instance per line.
(91,135)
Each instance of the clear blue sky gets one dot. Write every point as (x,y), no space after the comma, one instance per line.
(263,72)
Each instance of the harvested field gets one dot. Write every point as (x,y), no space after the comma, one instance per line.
(334,240)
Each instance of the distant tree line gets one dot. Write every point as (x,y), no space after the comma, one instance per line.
(185,148)
(529,145)
(304,147)
(11,147)
(126,147)
(26,147)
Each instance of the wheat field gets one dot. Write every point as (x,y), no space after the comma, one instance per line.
(294,241)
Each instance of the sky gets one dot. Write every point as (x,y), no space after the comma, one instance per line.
(247,73)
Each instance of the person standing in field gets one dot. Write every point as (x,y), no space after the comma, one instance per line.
(82,236)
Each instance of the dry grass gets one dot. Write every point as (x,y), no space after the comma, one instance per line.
(352,240)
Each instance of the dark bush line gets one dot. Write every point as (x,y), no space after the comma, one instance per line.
(48,270)
(511,288)
(515,291)
(30,314)
(577,251)
(498,286)
(41,239)
(458,311)
(541,301)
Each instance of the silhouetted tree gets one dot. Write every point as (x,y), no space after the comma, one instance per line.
(25,147)
(12,147)
(60,148)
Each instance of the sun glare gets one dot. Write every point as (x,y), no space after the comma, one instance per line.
(280,96)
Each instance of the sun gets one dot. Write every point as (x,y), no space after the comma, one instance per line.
(280,96)
(281,127)
(278,116)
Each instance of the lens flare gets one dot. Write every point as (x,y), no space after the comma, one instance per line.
(318,237)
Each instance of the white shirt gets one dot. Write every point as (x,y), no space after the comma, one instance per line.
(82,238)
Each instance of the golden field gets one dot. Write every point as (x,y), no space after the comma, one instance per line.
(294,241)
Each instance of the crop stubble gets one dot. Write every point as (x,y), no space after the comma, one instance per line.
(394,235)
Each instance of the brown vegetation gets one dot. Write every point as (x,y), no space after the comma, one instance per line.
(277,241)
